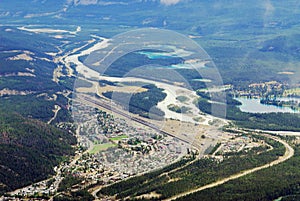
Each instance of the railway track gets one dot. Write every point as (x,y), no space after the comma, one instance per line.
(107,106)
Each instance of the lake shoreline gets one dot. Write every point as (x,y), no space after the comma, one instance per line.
(253,105)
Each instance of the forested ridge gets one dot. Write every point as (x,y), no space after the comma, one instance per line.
(143,103)
(249,41)
(29,147)
(29,150)
(280,181)
(199,173)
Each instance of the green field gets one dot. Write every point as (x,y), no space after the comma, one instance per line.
(121,137)
(101,147)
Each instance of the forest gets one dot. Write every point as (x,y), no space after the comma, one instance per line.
(202,171)
(280,181)
(143,103)
(29,150)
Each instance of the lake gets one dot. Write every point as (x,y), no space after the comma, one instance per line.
(254,106)
(157,55)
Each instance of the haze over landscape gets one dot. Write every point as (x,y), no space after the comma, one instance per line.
(149,100)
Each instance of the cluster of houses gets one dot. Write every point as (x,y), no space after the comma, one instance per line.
(137,148)
(238,143)
(258,90)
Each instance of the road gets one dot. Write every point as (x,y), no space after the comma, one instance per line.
(107,106)
(56,110)
(283,133)
(288,154)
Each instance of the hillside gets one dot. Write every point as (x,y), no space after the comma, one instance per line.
(29,147)
(242,37)
(43,45)
(29,150)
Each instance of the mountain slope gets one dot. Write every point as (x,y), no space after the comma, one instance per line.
(29,147)
(29,150)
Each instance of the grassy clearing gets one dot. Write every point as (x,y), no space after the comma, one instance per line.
(121,137)
(101,147)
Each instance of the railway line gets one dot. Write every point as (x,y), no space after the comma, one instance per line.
(107,106)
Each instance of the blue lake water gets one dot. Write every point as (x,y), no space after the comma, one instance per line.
(165,55)
(254,106)
(156,55)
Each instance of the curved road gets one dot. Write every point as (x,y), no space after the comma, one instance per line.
(288,154)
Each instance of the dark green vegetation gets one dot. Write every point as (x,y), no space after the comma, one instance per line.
(265,121)
(279,103)
(250,41)
(215,148)
(36,86)
(68,182)
(40,67)
(28,106)
(198,173)
(143,103)
(269,184)
(71,189)
(29,150)
(75,196)
(182,98)
(243,38)
(135,60)
(128,184)
(178,109)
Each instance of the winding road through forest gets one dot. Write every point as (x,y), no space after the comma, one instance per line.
(289,152)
